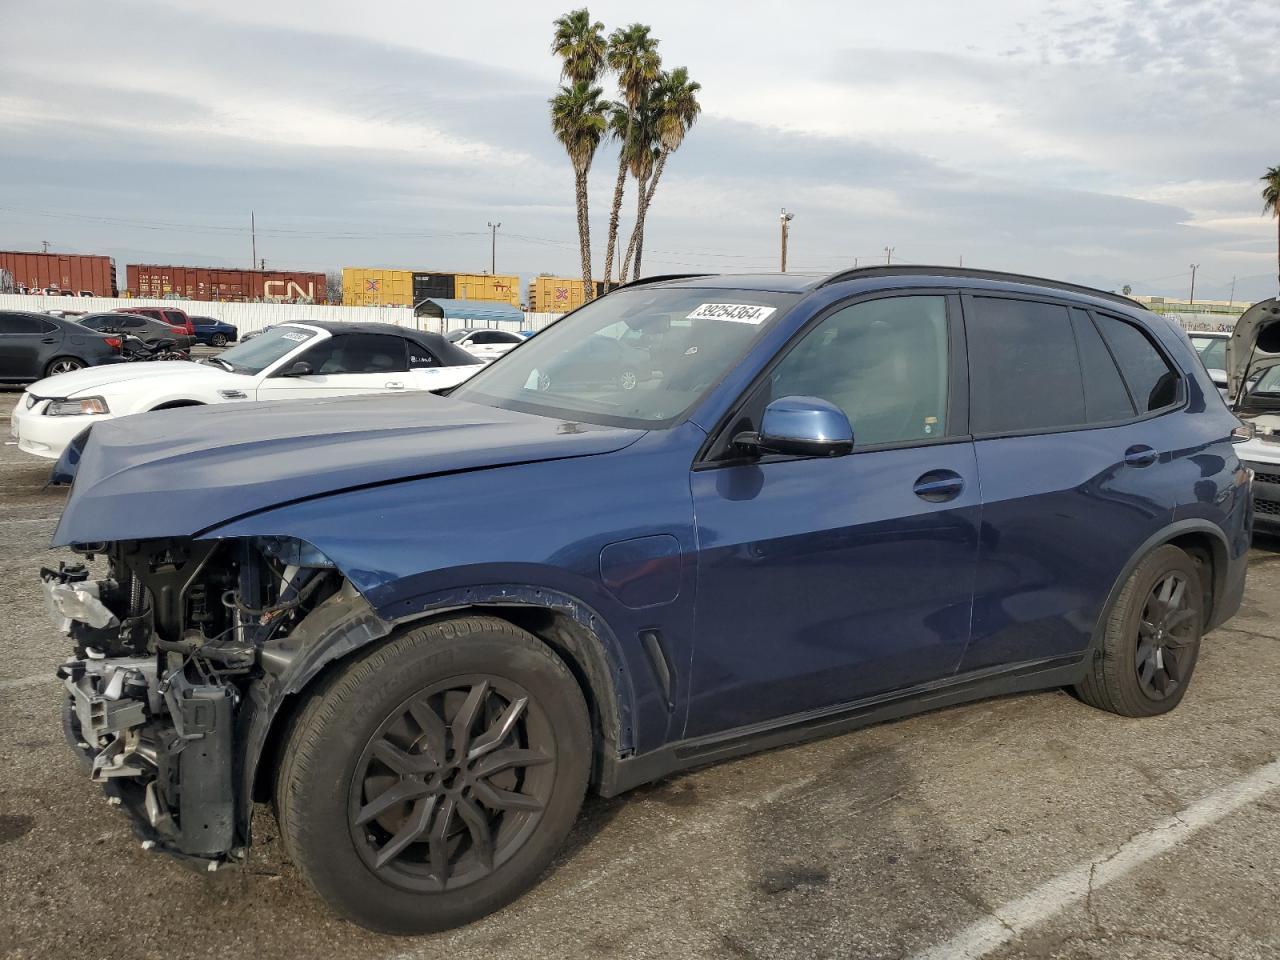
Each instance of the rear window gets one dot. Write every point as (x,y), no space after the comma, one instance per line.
(1105,396)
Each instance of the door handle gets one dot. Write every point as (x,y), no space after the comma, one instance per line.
(939,486)
(394,385)
(1140,455)
(49,340)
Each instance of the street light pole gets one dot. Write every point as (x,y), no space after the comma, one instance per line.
(1194,268)
(785,219)
(493,248)
(888,256)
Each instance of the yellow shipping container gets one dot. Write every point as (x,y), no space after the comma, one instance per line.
(364,287)
(558,294)
(499,287)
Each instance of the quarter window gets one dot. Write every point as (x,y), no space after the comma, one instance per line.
(1023,366)
(420,357)
(883,362)
(1151,380)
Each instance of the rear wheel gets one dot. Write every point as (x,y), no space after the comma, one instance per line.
(1151,639)
(218,340)
(63,365)
(432,781)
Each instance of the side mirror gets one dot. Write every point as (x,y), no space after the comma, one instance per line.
(801,426)
(300,368)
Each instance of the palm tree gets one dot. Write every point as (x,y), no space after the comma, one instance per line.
(1271,204)
(675,112)
(633,56)
(642,157)
(578,121)
(581,45)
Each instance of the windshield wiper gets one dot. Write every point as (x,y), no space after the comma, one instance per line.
(224,363)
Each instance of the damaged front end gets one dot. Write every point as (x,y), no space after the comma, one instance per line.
(168,646)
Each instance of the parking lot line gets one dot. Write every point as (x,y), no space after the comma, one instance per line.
(1012,919)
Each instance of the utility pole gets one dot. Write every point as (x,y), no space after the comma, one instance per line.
(253,234)
(493,248)
(962,261)
(262,264)
(1232,301)
(785,219)
(1194,268)
(45,244)
(888,255)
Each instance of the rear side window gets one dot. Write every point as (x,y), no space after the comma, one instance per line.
(20,323)
(420,357)
(1151,380)
(1024,370)
(1105,396)
(175,318)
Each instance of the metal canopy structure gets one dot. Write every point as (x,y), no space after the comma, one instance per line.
(472,311)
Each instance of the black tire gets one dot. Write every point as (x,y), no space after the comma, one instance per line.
(1139,653)
(332,756)
(63,365)
(218,340)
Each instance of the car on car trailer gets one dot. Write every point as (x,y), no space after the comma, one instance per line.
(423,627)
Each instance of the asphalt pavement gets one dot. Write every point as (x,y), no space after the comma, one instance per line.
(1027,826)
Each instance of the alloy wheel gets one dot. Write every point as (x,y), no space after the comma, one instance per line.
(628,380)
(65,365)
(218,340)
(1167,632)
(452,783)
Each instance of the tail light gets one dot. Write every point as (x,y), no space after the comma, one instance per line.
(179,330)
(113,343)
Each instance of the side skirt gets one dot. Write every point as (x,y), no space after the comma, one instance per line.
(631,772)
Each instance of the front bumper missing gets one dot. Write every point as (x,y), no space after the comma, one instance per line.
(161,747)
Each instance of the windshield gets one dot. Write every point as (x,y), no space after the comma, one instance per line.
(453,336)
(634,358)
(1212,350)
(254,356)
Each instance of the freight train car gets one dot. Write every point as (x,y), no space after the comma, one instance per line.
(68,274)
(559,294)
(364,286)
(209,283)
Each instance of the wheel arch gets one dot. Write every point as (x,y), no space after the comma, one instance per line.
(351,627)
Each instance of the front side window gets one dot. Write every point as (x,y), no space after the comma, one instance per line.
(1151,380)
(349,353)
(1024,371)
(883,362)
(638,357)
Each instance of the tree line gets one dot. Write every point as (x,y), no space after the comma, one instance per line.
(649,120)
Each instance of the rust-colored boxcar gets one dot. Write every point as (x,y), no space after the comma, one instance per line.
(210,283)
(69,274)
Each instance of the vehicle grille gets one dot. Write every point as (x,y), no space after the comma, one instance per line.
(1270,507)
(1266,477)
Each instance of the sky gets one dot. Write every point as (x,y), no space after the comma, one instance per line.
(1107,143)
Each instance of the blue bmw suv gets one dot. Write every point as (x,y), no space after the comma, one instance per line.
(700,516)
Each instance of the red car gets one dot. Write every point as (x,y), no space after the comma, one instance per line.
(170,315)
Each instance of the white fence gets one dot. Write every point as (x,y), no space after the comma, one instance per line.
(254,316)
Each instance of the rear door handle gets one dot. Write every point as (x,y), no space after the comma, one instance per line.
(49,340)
(1140,455)
(939,486)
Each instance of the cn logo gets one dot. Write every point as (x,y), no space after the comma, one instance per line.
(291,290)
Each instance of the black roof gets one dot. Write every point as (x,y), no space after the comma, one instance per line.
(449,354)
(801,282)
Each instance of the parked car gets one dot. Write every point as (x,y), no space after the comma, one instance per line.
(425,626)
(255,333)
(170,315)
(1212,348)
(214,333)
(144,328)
(485,344)
(35,345)
(291,362)
(1251,358)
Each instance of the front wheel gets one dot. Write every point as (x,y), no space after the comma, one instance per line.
(431,782)
(1151,638)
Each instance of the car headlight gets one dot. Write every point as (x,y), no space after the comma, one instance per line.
(75,408)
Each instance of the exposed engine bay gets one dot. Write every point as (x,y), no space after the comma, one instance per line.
(167,646)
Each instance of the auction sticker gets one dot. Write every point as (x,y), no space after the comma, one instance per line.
(735,312)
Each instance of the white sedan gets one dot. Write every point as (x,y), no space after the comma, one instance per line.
(485,344)
(288,362)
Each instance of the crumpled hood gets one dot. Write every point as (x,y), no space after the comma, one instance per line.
(180,472)
(1258,328)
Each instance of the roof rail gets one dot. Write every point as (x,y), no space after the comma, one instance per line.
(658,278)
(858,273)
